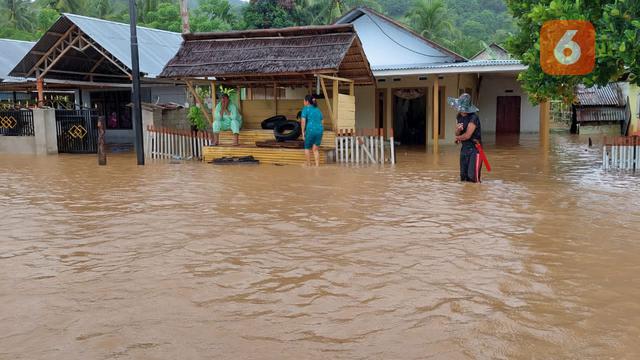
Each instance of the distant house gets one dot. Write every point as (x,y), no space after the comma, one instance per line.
(492,52)
(12,51)
(91,60)
(601,110)
(414,76)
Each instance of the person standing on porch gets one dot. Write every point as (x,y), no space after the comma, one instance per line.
(468,133)
(226,118)
(312,129)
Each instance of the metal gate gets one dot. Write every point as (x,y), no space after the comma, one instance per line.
(18,122)
(77,131)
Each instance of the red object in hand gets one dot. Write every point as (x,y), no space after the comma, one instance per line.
(483,156)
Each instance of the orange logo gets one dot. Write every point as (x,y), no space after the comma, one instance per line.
(567,47)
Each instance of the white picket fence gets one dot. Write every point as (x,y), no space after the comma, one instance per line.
(167,143)
(621,153)
(364,146)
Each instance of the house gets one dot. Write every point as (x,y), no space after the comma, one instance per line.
(601,110)
(12,52)
(91,60)
(327,57)
(414,76)
(492,52)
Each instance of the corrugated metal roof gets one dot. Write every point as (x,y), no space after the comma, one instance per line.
(604,113)
(11,52)
(388,43)
(600,96)
(155,47)
(471,63)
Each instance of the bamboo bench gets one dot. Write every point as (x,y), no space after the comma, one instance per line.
(250,136)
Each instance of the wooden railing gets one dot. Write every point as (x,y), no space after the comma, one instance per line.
(167,143)
(621,153)
(364,146)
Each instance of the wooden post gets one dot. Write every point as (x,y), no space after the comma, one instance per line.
(544,123)
(238,91)
(427,115)
(40,88)
(213,101)
(275,97)
(184,14)
(388,109)
(334,100)
(352,89)
(436,113)
(102,155)
(199,101)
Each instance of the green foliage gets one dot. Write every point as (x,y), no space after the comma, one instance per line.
(165,17)
(617,24)
(265,14)
(196,118)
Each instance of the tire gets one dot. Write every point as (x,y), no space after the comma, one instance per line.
(270,123)
(288,130)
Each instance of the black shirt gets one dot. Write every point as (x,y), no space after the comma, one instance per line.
(476,136)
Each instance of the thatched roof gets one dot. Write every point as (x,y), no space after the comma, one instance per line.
(286,56)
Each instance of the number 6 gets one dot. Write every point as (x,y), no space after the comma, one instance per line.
(566,42)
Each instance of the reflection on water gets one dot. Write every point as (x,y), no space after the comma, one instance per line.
(191,261)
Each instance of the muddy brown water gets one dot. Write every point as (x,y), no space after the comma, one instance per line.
(193,261)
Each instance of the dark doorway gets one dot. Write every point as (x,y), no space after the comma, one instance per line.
(508,115)
(409,120)
(113,106)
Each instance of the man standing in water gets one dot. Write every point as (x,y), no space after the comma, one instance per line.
(468,133)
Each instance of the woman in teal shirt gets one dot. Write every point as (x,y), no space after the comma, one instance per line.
(312,130)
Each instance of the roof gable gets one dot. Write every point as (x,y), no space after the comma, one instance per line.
(492,52)
(156,47)
(390,43)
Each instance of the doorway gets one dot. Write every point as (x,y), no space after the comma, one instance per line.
(508,115)
(409,116)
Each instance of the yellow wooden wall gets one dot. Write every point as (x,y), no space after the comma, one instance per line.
(254,111)
(346,112)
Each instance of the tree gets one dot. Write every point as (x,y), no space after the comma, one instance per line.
(19,14)
(328,11)
(166,17)
(265,14)
(617,25)
(212,15)
(431,19)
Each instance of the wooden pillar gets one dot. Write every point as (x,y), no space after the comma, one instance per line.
(544,122)
(102,154)
(238,91)
(275,97)
(40,88)
(213,101)
(334,100)
(352,88)
(427,117)
(388,109)
(436,113)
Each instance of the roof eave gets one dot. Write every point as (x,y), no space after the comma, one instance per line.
(453,70)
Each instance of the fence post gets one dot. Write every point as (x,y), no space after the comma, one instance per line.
(102,154)
(392,146)
(381,131)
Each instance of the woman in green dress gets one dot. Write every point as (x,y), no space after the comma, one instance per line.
(226,118)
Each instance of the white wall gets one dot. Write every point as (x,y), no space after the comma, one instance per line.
(493,86)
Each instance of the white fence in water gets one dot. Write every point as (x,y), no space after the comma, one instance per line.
(166,143)
(621,153)
(364,146)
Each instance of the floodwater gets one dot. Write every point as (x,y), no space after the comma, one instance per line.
(193,261)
